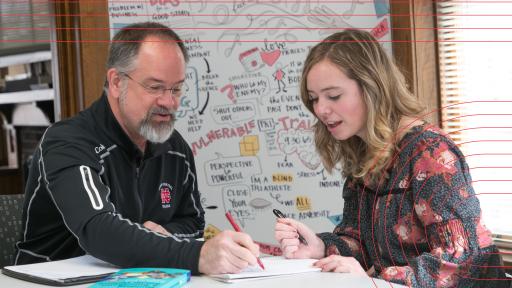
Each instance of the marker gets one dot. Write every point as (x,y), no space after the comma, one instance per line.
(237,229)
(279,214)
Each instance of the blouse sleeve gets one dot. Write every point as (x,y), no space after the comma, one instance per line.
(345,239)
(461,248)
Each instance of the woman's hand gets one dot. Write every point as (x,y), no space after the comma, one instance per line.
(340,264)
(287,234)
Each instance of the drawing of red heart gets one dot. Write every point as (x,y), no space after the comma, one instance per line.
(270,57)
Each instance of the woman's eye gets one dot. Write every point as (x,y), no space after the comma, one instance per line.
(336,97)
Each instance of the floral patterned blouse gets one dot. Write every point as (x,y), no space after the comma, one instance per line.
(422,226)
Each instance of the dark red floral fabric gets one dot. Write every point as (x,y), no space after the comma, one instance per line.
(421,226)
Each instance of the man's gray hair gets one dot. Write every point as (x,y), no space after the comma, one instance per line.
(126,43)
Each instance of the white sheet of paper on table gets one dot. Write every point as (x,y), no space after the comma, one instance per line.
(274,267)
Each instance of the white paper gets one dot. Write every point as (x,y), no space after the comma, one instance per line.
(274,266)
(65,269)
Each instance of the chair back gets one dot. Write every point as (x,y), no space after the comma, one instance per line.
(11,208)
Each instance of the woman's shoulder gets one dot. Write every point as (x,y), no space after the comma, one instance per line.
(425,137)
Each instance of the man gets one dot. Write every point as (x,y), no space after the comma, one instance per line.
(97,176)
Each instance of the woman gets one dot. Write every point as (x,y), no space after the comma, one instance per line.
(410,214)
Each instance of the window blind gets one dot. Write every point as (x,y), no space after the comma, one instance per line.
(475,69)
(24,26)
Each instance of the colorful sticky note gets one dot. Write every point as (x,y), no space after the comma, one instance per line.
(210,231)
(249,146)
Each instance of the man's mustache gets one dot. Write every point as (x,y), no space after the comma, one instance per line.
(163,111)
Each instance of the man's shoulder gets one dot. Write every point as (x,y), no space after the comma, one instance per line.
(85,122)
(72,128)
(74,141)
(73,134)
(177,142)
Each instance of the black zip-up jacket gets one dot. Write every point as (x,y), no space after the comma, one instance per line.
(90,189)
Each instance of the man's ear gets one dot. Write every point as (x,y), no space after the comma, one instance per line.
(114,82)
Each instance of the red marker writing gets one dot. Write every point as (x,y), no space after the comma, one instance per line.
(237,229)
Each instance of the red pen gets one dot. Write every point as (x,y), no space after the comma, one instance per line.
(237,229)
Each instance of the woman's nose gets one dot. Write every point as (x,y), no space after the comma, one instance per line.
(322,108)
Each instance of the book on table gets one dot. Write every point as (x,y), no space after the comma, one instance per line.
(145,278)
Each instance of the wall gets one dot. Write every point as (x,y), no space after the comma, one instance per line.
(242,114)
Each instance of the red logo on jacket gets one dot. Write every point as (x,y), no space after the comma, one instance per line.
(165,194)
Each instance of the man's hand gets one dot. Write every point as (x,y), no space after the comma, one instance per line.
(228,252)
(156,228)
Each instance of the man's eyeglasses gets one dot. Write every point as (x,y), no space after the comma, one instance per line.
(158,90)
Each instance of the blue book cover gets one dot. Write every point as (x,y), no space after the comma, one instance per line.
(145,278)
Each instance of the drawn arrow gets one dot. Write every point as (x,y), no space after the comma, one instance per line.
(205,104)
(321,172)
(207,66)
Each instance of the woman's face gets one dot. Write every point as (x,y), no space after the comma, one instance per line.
(337,101)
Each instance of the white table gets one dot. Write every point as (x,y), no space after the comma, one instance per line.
(311,279)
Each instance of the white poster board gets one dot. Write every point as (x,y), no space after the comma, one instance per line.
(242,113)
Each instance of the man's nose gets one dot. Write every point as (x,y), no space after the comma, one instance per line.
(169,100)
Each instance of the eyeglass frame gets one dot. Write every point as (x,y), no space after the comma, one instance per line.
(159,91)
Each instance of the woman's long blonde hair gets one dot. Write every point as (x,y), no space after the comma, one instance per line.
(359,55)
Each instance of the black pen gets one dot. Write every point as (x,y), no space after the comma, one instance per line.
(279,214)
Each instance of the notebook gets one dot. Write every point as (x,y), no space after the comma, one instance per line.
(274,267)
(73,271)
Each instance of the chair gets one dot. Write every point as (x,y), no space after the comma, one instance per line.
(11,208)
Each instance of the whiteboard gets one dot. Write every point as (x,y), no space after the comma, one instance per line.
(242,114)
